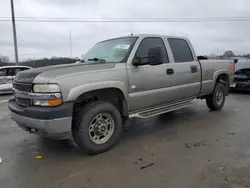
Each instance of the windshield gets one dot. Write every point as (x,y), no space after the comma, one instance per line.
(114,50)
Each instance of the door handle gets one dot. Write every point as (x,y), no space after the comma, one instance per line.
(170,71)
(194,69)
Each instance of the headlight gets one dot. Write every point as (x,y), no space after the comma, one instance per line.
(240,76)
(46,88)
(47,95)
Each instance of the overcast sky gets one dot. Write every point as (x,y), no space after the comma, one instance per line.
(36,40)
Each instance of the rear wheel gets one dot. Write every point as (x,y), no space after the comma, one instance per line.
(216,100)
(97,127)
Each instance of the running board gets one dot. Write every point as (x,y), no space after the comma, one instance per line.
(161,110)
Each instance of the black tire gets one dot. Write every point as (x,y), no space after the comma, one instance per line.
(211,100)
(82,122)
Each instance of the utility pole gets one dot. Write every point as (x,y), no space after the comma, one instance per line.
(14,30)
(70,44)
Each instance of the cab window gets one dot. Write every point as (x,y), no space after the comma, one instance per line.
(3,72)
(149,43)
(181,50)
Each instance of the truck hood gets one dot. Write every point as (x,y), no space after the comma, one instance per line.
(47,73)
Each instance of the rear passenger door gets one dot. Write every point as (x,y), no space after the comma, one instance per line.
(187,72)
(9,77)
(3,75)
(10,74)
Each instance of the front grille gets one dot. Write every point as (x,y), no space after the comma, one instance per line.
(241,79)
(25,88)
(22,86)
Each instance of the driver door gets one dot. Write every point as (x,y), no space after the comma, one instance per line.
(148,83)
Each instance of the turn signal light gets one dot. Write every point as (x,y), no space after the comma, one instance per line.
(54,102)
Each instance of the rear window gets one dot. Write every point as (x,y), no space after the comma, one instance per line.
(180,50)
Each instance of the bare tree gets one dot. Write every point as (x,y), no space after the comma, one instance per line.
(4,59)
(228,53)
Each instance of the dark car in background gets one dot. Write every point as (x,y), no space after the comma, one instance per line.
(241,76)
(7,75)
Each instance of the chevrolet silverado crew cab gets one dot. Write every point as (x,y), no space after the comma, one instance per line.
(133,76)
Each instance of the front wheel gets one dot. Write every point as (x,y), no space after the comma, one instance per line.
(216,100)
(97,127)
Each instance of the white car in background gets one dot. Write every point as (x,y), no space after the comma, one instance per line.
(7,75)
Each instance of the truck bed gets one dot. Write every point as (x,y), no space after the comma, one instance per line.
(214,67)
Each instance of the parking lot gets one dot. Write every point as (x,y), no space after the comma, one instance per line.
(192,147)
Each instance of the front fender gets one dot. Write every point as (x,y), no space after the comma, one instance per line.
(77,91)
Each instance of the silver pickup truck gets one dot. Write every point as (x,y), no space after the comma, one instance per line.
(133,76)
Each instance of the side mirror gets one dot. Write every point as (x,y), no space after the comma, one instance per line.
(137,61)
(154,57)
(235,61)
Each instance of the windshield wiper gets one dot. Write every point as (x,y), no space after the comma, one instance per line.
(97,59)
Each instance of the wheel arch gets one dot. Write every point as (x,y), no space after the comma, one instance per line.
(223,77)
(113,95)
